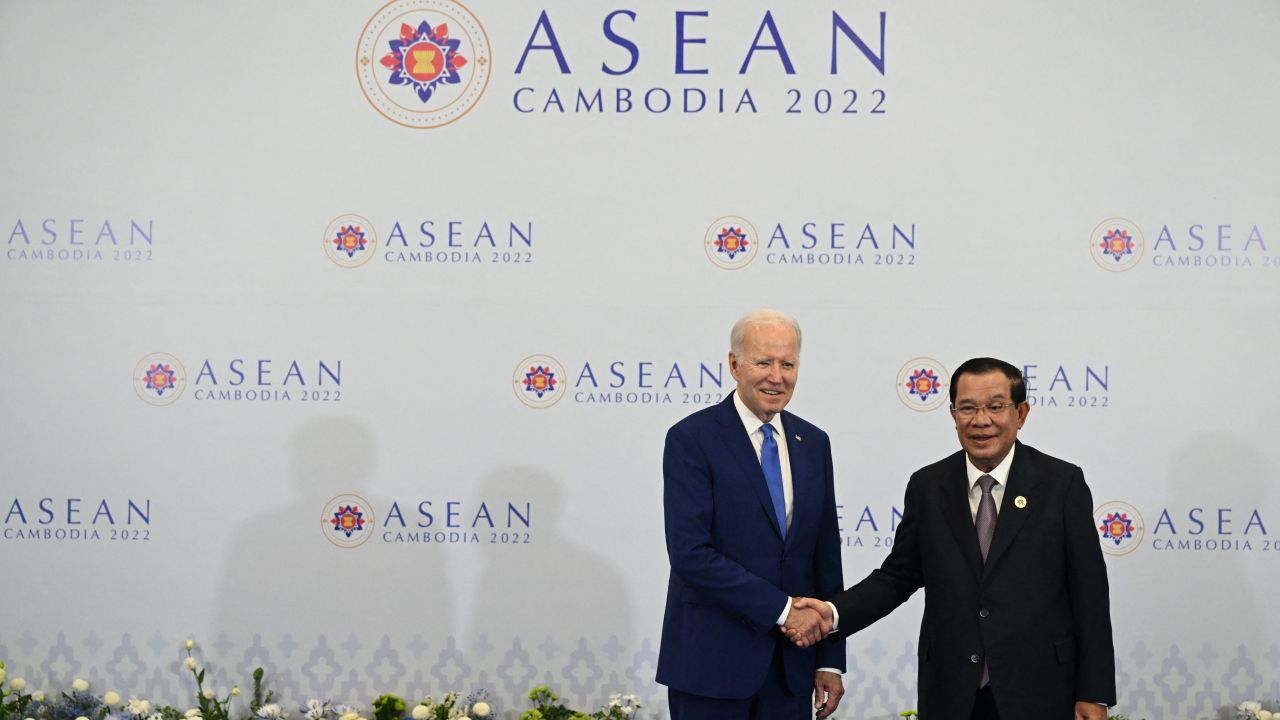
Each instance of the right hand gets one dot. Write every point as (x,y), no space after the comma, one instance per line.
(808,622)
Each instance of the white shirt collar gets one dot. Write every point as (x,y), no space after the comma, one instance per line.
(752,423)
(999,472)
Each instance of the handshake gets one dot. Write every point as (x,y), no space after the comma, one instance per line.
(809,621)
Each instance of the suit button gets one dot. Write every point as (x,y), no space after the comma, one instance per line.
(983,612)
(974,659)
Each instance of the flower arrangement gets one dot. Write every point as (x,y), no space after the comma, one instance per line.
(1253,710)
(548,707)
(13,702)
(448,708)
(80,704)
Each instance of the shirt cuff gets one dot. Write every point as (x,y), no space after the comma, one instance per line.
(835,617)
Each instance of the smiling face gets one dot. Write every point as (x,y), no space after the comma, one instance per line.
(987,437)
(766,368)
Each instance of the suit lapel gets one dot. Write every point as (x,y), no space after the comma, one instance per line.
(955,508)
(801,487)
(1022,482)
(739,446)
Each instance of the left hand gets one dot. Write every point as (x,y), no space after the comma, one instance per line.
(828,688)
(1087,710)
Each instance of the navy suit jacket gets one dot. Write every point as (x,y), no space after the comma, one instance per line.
(1038,610)
(731,570)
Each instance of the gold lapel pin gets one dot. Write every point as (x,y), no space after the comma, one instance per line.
(1020,502)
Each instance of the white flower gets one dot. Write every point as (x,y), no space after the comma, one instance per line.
(82,718)
(192,713)
(235,691)
(189,644)
(80,685)
(421,712)
(38,696)
(208,694)
(628,710)
(271,711)
(1265,715)
(480,709)
(111,698)
(316,709)
(190,662)
(18,684)
(350,715)
(138,708)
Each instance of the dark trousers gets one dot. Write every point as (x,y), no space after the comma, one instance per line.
(984,705)
(771,702)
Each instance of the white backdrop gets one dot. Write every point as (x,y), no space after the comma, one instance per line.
(176,175)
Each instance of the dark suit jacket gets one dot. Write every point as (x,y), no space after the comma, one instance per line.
(731,571)
(1038,611)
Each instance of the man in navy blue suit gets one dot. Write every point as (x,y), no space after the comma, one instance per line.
(749,505)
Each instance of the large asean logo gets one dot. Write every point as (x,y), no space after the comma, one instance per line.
(423,63)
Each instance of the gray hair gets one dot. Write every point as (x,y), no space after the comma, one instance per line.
(761,317)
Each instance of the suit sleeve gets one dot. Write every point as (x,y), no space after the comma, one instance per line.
(889,585)
(688,509)
(1090,598)
(828,571)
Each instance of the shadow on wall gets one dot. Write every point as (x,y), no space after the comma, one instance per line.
(327,611)
(547,607)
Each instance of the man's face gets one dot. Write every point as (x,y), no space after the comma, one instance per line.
(986,436)
(767,368)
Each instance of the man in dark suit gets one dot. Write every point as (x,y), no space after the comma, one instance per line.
(1016,620)
(749,504)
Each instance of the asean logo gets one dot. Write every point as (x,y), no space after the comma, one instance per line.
(1120,527)
(347,521)
(423,63)
(1116,245)
(350,241)
(159,379)
(731,242)
(922,384)
(539,381)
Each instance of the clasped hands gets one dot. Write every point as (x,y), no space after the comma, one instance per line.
(809,621)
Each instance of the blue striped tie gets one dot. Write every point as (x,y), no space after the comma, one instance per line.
(773,476)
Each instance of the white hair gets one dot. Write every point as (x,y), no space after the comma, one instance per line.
(761,317)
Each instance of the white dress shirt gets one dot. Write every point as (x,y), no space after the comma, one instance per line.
(752,424)
(999,472)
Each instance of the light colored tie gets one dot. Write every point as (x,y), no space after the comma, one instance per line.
(772,467)
(986,524)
